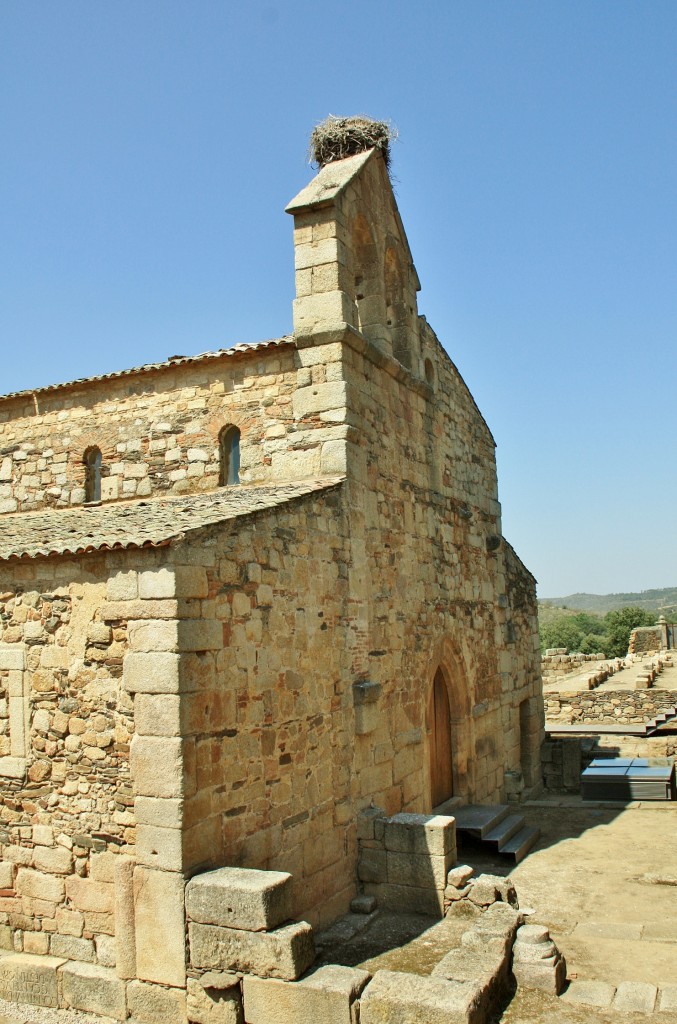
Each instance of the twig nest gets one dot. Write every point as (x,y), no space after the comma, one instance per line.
(338,137)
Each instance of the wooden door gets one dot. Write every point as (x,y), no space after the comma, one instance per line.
(441,773)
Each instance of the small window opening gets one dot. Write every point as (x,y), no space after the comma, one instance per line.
(229,456)
(429,372)
(92,461)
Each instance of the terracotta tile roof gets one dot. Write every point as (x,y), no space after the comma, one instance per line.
(256,346)
(153,522)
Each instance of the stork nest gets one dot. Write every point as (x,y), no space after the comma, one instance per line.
(338,137)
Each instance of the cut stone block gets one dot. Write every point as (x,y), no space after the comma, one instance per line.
(433,834)
(72,948)
(366,822)
(485,967)
(635,997)
(151,1004)
(93,989)
(156,764)
(407,899)
(591,993)
(159,920)
(363,904)
(125,927)
(422,871)
(532,952)
(214,1005)
(371,866)
(535,933)
(324,996)
(151,673)
(240,898)
(546,975)
(499,921)
(396,998)
(30,979)
(284,953)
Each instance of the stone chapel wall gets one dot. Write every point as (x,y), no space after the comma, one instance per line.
(423,495)
(158,430)
(66,807)
(268,734)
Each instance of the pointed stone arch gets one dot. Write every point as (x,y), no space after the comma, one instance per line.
(449,725)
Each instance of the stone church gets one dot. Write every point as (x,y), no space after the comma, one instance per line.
(245,595)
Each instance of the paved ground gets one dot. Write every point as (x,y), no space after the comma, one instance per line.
(623,680)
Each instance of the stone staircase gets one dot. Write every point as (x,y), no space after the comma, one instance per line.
(497,826)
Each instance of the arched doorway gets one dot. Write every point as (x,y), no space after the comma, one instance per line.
(441,764)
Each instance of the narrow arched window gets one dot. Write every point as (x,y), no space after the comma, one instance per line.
(92,461)
(229,456)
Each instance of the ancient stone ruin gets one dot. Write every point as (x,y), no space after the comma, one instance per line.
(245,596)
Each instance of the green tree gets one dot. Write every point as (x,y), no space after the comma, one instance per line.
(561,632)
(619,623)
(595,643)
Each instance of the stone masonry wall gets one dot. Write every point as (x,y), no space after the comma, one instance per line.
(268,733)
(65,727)
(423,498)
(158,430)
(611,706)
(430,578)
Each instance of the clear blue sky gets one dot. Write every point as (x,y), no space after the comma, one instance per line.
(149,148)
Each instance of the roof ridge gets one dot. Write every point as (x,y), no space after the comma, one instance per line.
(237,349)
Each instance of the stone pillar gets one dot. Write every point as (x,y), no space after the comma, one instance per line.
(150,904)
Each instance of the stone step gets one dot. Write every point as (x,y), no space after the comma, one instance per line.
(449,807)
(478,819)
(520,844)
(505,830)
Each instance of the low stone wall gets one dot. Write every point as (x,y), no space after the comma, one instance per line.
(613,707)
(404,860)
(558,661)
(562,763)
(248,962)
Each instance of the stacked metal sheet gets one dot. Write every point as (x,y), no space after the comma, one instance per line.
(629,778)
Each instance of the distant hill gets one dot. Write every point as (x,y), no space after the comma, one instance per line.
(662,602)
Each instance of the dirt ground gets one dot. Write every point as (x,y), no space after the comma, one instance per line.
(603,879)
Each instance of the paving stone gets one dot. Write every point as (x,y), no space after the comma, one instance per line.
(635,996)
(618,930)
(240,898)
(668,998)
